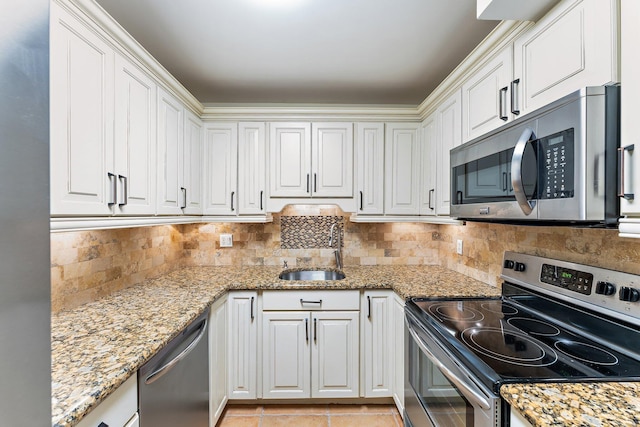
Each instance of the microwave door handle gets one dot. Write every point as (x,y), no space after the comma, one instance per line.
(516,171)
(469,393)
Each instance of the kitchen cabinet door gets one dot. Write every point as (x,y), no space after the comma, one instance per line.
(191,186)
(630,106)
(290,159)
(135,139)
(398,352)
(402,169)
(243,356)
(170,153)
(221,163)
(449,136)
(518,420)
(332,159)
(334,354)
(82,81)
(573,46)
(218,322)
(486,96)
(429,147)
(118,409)
(370,167)
(286,347)
(376,317)
(251,168)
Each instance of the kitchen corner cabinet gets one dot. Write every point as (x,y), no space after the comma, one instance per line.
(370,168)
(397,320)
(82,112)
(252,179)
(310,344)
(170,154)
(311,160)
(449,135)
(218,361)
(191,187)
(243,335)
(562,52)
(402,169)
(221,168)
(120,408)
(378,343)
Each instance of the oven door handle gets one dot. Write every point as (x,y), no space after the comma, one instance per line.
(475,398)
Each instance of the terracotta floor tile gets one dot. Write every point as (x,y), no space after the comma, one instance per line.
(239,421)
(361,409)
(295,410)
(295,421)
(243,410)
(371,420)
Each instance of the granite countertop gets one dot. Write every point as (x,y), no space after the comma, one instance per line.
(97,346)
(582,404)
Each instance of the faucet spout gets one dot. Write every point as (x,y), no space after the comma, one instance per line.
(338,251)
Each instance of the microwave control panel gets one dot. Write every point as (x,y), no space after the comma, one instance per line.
(556,166)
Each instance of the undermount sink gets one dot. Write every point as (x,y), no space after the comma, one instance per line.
(312,275)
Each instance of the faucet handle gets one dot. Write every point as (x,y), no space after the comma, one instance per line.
(285,264)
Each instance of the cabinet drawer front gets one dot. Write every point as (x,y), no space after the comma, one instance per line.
(311,300)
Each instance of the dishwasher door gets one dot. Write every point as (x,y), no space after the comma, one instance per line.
(173,386)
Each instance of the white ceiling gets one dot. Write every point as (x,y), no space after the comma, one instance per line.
(305,51)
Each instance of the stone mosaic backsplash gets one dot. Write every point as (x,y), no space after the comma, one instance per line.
(309,232)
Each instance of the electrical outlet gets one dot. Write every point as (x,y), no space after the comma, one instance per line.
(459,247)
(226,240)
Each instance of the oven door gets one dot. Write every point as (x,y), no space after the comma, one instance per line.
(439,392)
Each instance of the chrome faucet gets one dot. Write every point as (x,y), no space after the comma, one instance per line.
(338,251)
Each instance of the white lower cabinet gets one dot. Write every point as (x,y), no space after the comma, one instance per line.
(310,342)
(397,317)
(377,329)
(218,321)
(518,420)
(119,409)
(243,355)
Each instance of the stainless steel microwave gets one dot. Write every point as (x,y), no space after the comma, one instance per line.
(555,164)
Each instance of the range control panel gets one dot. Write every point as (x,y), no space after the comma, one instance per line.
(611,291)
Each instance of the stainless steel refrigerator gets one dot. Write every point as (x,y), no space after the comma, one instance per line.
(25,308)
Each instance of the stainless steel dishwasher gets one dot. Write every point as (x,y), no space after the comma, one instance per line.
(173,386)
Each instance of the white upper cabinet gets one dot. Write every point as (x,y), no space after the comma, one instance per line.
(449,136)
(135,139)
(429,141)
(311,160)
(332,159)
(486,96)
(82,72)
(191,186)
(402,169)
(221,169)
(251,168)
(573,46)
(370,167)
(170,154)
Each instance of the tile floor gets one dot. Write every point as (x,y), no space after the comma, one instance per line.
(310,416)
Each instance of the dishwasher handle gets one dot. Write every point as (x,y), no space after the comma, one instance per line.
(158,373)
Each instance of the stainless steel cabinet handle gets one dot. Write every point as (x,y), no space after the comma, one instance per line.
(261,193)
(361,201)
(307,183)
(102,424)
(125,190)
(232,194)
(155,375)
(432,191)
(621,162)
(306,328)
(470,394)
(183,205)
(315,330)
(503,104)
(315,182)
(515,108)
(505,183)
(302,301)
(114,189)
(369,307)
(516,171)
(252,316)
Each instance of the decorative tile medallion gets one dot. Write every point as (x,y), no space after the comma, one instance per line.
(308,232)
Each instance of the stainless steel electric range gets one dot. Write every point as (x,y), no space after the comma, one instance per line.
(555,322)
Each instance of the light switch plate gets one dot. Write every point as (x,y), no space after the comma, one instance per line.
(226,240)
(459,247)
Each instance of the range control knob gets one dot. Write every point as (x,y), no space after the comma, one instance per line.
(629,294)
(519,266)
(508,264)
(605,288)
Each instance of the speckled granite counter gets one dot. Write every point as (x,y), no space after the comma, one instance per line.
(96,347)
(592,404)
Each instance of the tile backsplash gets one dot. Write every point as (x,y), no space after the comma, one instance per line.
(90,264)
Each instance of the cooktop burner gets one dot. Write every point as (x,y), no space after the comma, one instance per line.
(534,326)
(587,352)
